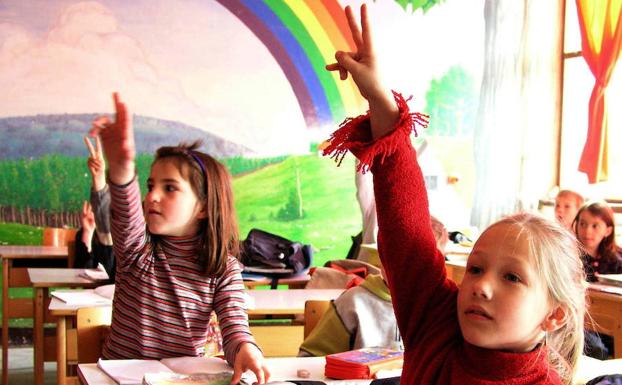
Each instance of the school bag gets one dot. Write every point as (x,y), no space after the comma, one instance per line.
(274,256)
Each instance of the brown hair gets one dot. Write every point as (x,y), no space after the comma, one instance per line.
(607,249)
(211,182)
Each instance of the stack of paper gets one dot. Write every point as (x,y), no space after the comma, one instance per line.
(98,274)
(81,297)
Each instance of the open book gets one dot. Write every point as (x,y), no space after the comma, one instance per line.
(88,297)
(168,371)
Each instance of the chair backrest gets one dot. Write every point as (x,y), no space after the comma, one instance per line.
(56,236)
(314,310)
(92,327)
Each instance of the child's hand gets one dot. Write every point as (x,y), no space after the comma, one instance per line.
(96,163)
(117,139)
(362,65)
(249,357)
(87,221)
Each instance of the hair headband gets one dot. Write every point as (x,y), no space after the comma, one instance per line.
(201,166)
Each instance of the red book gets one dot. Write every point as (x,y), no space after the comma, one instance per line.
(362,363)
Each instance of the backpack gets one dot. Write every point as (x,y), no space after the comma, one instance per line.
(274,256)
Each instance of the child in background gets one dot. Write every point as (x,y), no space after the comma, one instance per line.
(362,316)
(518,315)
(174,263)
(95,219)
(567,204)
(595,229)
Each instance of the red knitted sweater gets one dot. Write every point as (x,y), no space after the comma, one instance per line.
(424,299)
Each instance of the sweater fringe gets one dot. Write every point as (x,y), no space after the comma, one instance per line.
(354,134)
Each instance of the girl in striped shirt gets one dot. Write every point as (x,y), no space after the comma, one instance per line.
(174,253)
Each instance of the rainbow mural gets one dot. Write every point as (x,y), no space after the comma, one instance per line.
(303,36)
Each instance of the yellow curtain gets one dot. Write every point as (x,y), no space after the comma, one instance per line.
(601,37)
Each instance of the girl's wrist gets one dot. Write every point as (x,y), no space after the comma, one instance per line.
(121,174)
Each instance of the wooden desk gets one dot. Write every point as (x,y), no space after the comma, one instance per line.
(294,282)
(66,316)
(281,369)
(456,268)
(605,313)
(282,339)
(42,280)
(286,302)
(264,302)
(13,276)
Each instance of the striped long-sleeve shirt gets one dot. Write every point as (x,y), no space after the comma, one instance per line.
(163,299)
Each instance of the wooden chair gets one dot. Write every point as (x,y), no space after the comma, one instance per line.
(85,341)
(278,340)
(314,310)
(15,275)
(56,236)
(92,328)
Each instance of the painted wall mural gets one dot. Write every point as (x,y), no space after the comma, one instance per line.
(246,77)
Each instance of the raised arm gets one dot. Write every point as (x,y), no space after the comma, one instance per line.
(381,141)
(100,195)
(126,214)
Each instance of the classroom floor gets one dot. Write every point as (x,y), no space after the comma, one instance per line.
(21,367)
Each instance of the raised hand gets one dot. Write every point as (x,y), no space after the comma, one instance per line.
(362,63)
(362,66)
(96,163)
(117,138)
(87,221)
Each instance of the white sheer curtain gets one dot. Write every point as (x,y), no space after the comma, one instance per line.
(515,146)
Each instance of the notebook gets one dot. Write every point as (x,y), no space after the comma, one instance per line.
(88,297)
(169,371)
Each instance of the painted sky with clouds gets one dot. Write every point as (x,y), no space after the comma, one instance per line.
(194,62)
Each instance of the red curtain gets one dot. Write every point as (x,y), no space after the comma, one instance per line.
(601,38)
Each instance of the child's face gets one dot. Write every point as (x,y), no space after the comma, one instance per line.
(565,210)
(171,206)
(502,302)
(591,230)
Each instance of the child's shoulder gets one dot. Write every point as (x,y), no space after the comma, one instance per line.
(371,291)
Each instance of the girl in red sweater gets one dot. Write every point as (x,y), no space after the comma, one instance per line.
(518,316)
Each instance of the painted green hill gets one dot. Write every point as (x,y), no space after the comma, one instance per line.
(268,199)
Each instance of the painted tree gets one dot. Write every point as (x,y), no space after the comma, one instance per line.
(414,5)
(451,102)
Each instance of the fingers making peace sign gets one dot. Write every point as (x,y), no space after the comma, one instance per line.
(362,63)
(363,68)
(117,141)
(96,163)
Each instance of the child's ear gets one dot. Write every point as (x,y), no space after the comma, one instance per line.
(555,319)
(608,231)
(202,214)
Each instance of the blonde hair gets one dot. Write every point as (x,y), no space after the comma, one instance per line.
(556,254)
(578,198)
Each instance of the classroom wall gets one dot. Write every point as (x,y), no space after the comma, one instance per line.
(247,78)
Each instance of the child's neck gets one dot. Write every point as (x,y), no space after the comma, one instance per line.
(593,252)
